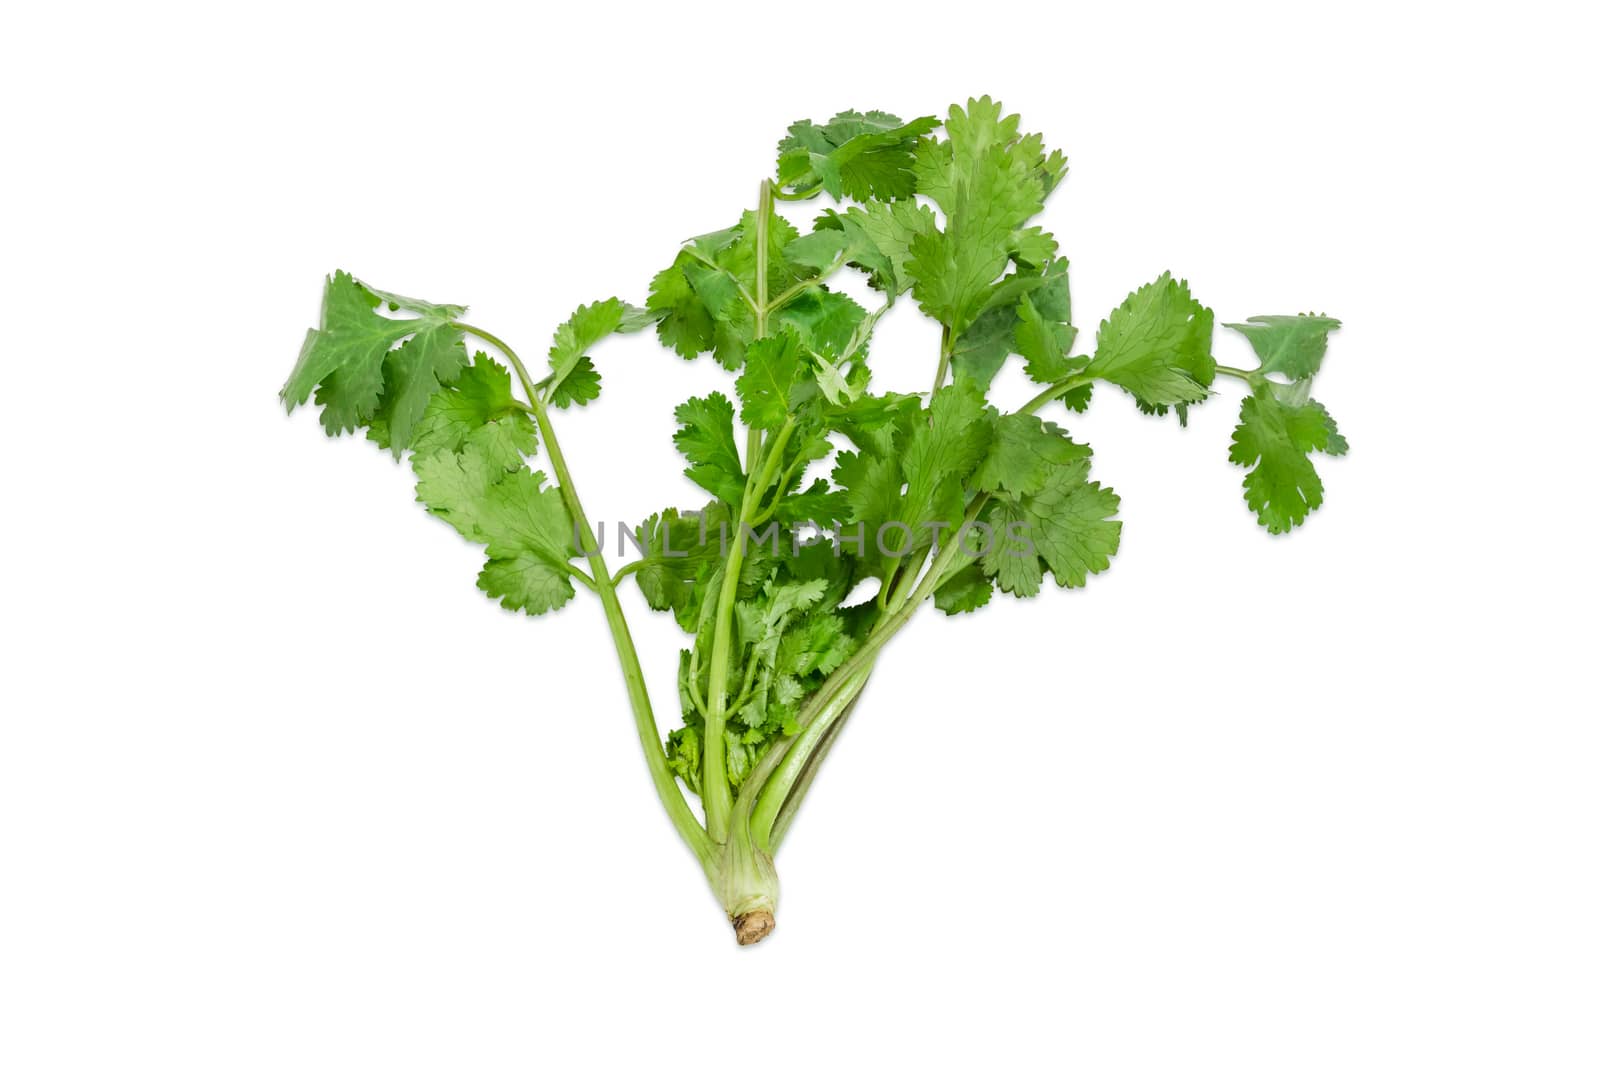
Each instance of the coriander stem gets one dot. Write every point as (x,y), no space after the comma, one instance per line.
(776,792)
(529,387)
(715,792)
(804,284)
(947,345)
(907,580)
(1237,373)
(769,470)
(801,195)
(763,224)
(797,793)
(581,576)
(1051,392)
(666,784)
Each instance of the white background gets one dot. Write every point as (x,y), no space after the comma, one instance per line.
(279,787)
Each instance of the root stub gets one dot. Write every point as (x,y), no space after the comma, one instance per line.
(753,927)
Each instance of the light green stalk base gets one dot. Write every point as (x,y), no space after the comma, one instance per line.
(746,883)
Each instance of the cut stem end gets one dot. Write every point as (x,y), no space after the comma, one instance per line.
(751,928)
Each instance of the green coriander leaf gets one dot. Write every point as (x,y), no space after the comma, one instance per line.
(1278,430)
(1024,453)
(871,486)
(1078,400)
(477,408)
(880,236)
(573,378)
(981,350)
(1013,557)
(1291,346)
(876,423)
(817,647)
(351,360)
(685,325)
(939,457)
(965,590)
(827,322)
(705,437)
(684,744)
(413,375)
(1026,312)
(524,524)
(507,440)
(1070,523)
(1157,345)
(863,157)
(986,180)
(529,542)
(579,386)
(818,250)
(771,371)
(818,504)
(1033,246)
(455,487)
(1044,344)
(675,551)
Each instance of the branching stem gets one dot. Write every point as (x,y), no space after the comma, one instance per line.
(604,585)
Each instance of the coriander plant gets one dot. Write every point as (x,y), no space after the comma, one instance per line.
(804,561)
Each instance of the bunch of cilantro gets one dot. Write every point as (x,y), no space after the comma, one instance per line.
(797,561)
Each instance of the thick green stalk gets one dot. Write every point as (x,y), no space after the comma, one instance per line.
(797,793)
(845,676)
(633,675)
(714,790)
(778,788)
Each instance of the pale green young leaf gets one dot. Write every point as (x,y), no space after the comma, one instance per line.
(454,486)
(1291,346)
(530,539)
